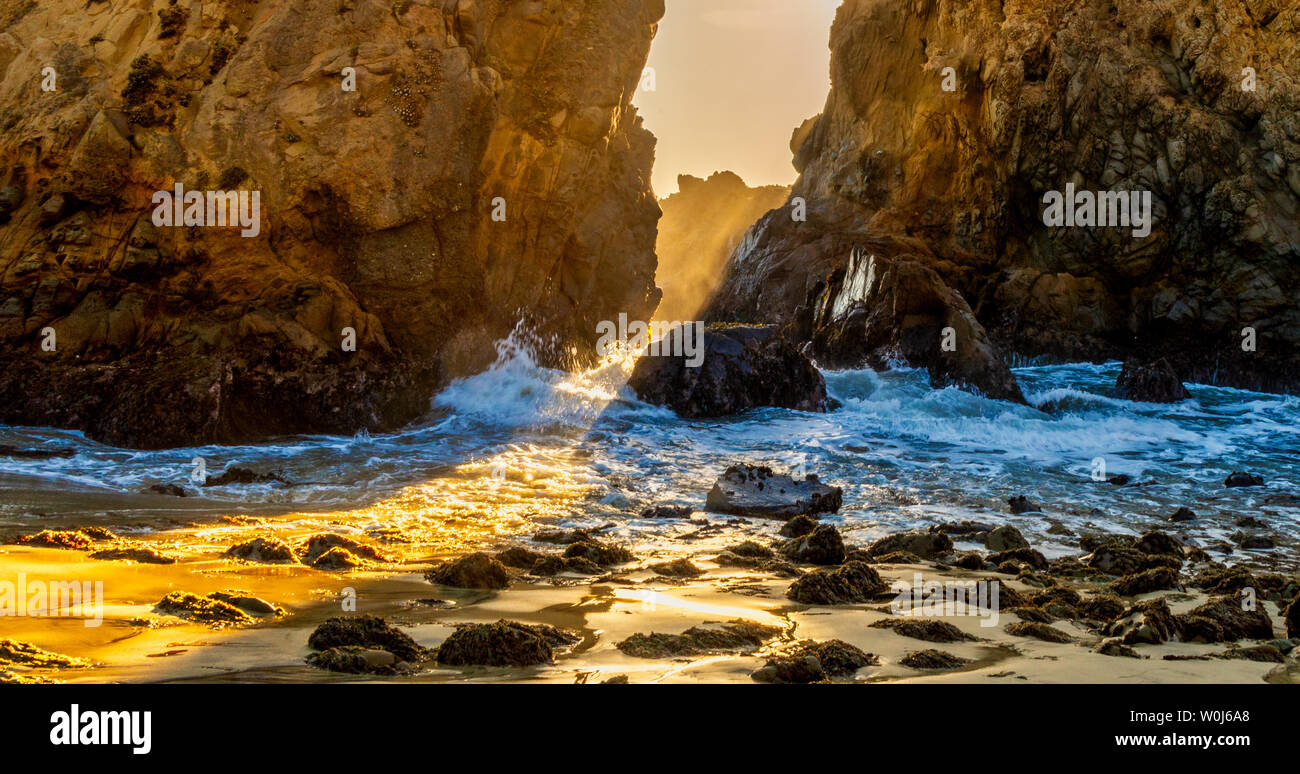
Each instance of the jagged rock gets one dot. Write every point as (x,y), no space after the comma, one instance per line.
(797,527)
(1292,618)
(171,490)
(1102,607)
(1044,104)
(893,557)
(1030,556)
(1005,538)
(814,662)
(317,546)
(926,545)
(1155,579)
(474,571)
(520,558)
(735,636)
(237,475)
(751,549)
(971,530)
(555,565)
(54,538)
(1149,622)
(1255,542)
(1235,622)
(377,208)
(821,546)
(933,659)
(743,367)
(1022,504)
(566,536)
(668,512)
(677,568)
(755,491)
(1243,479)
(142,554)
(504,643)
(338,558)
(1183,514)
(207,610)
(365,631)
(1114,646)
(1222,580)
(603,554)
(353,659)
(928,629)
(850,583)
(1160,544)
(1150,382)
(25,654)
(267,550)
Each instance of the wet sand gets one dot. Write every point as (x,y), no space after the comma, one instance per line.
(135,644)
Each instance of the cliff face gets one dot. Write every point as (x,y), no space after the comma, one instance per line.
(377,205)
(701,224)
(1146,95)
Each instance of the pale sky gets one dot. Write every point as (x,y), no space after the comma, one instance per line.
(733,80)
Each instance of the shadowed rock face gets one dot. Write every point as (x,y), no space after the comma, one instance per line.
(376,205)
(1144,95)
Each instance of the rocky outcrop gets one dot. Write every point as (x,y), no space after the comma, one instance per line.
(915,168)
(1154,382)
(756,491)
(701,224)
(736,368)
(487,167)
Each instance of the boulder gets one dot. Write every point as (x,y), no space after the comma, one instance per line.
(813,662)
(365,631)
(1150,382)
(731,637)
(821,546)
(922,543)
(850,583)
(265,550)
(1240,478)
(743,367)
(1005,538)
(475,571)
(757,492)
(504,643)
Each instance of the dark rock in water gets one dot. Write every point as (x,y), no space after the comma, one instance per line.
(821,546)
(1243,479)
(266,550)
(1264,653)
(734,636)
(814,662)
(1150,382)
(566,536)
(928,629)
(797,527)
(755,491)
(1250,522)
(1160,544)
(971,530)
(1236,623)
(924,544)
(1150,622)
(850,583)
(238,475)
(1030,556)
(520,558)
(475,571)
(337,558)
(1114,646)
(603,554)
(743,367)
(1182,514)
(1155,579)
(668,512)
(1022,504)
(1122,479)
(365,631)
(171,490)
(99,533)
(1117,559)
(35,454)
(317,545)
(677,568)
(55,538)
(1254,542)
(141,554)
(246,602)
(933,659)
(504,643)
(352,659)
(1005,538)
(207,610)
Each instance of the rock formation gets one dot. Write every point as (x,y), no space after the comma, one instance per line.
(701,224)
(1192,100)
(487,167)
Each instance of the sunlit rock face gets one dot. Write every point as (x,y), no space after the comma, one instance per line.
(1146,95)
(377,205)
(701,224)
